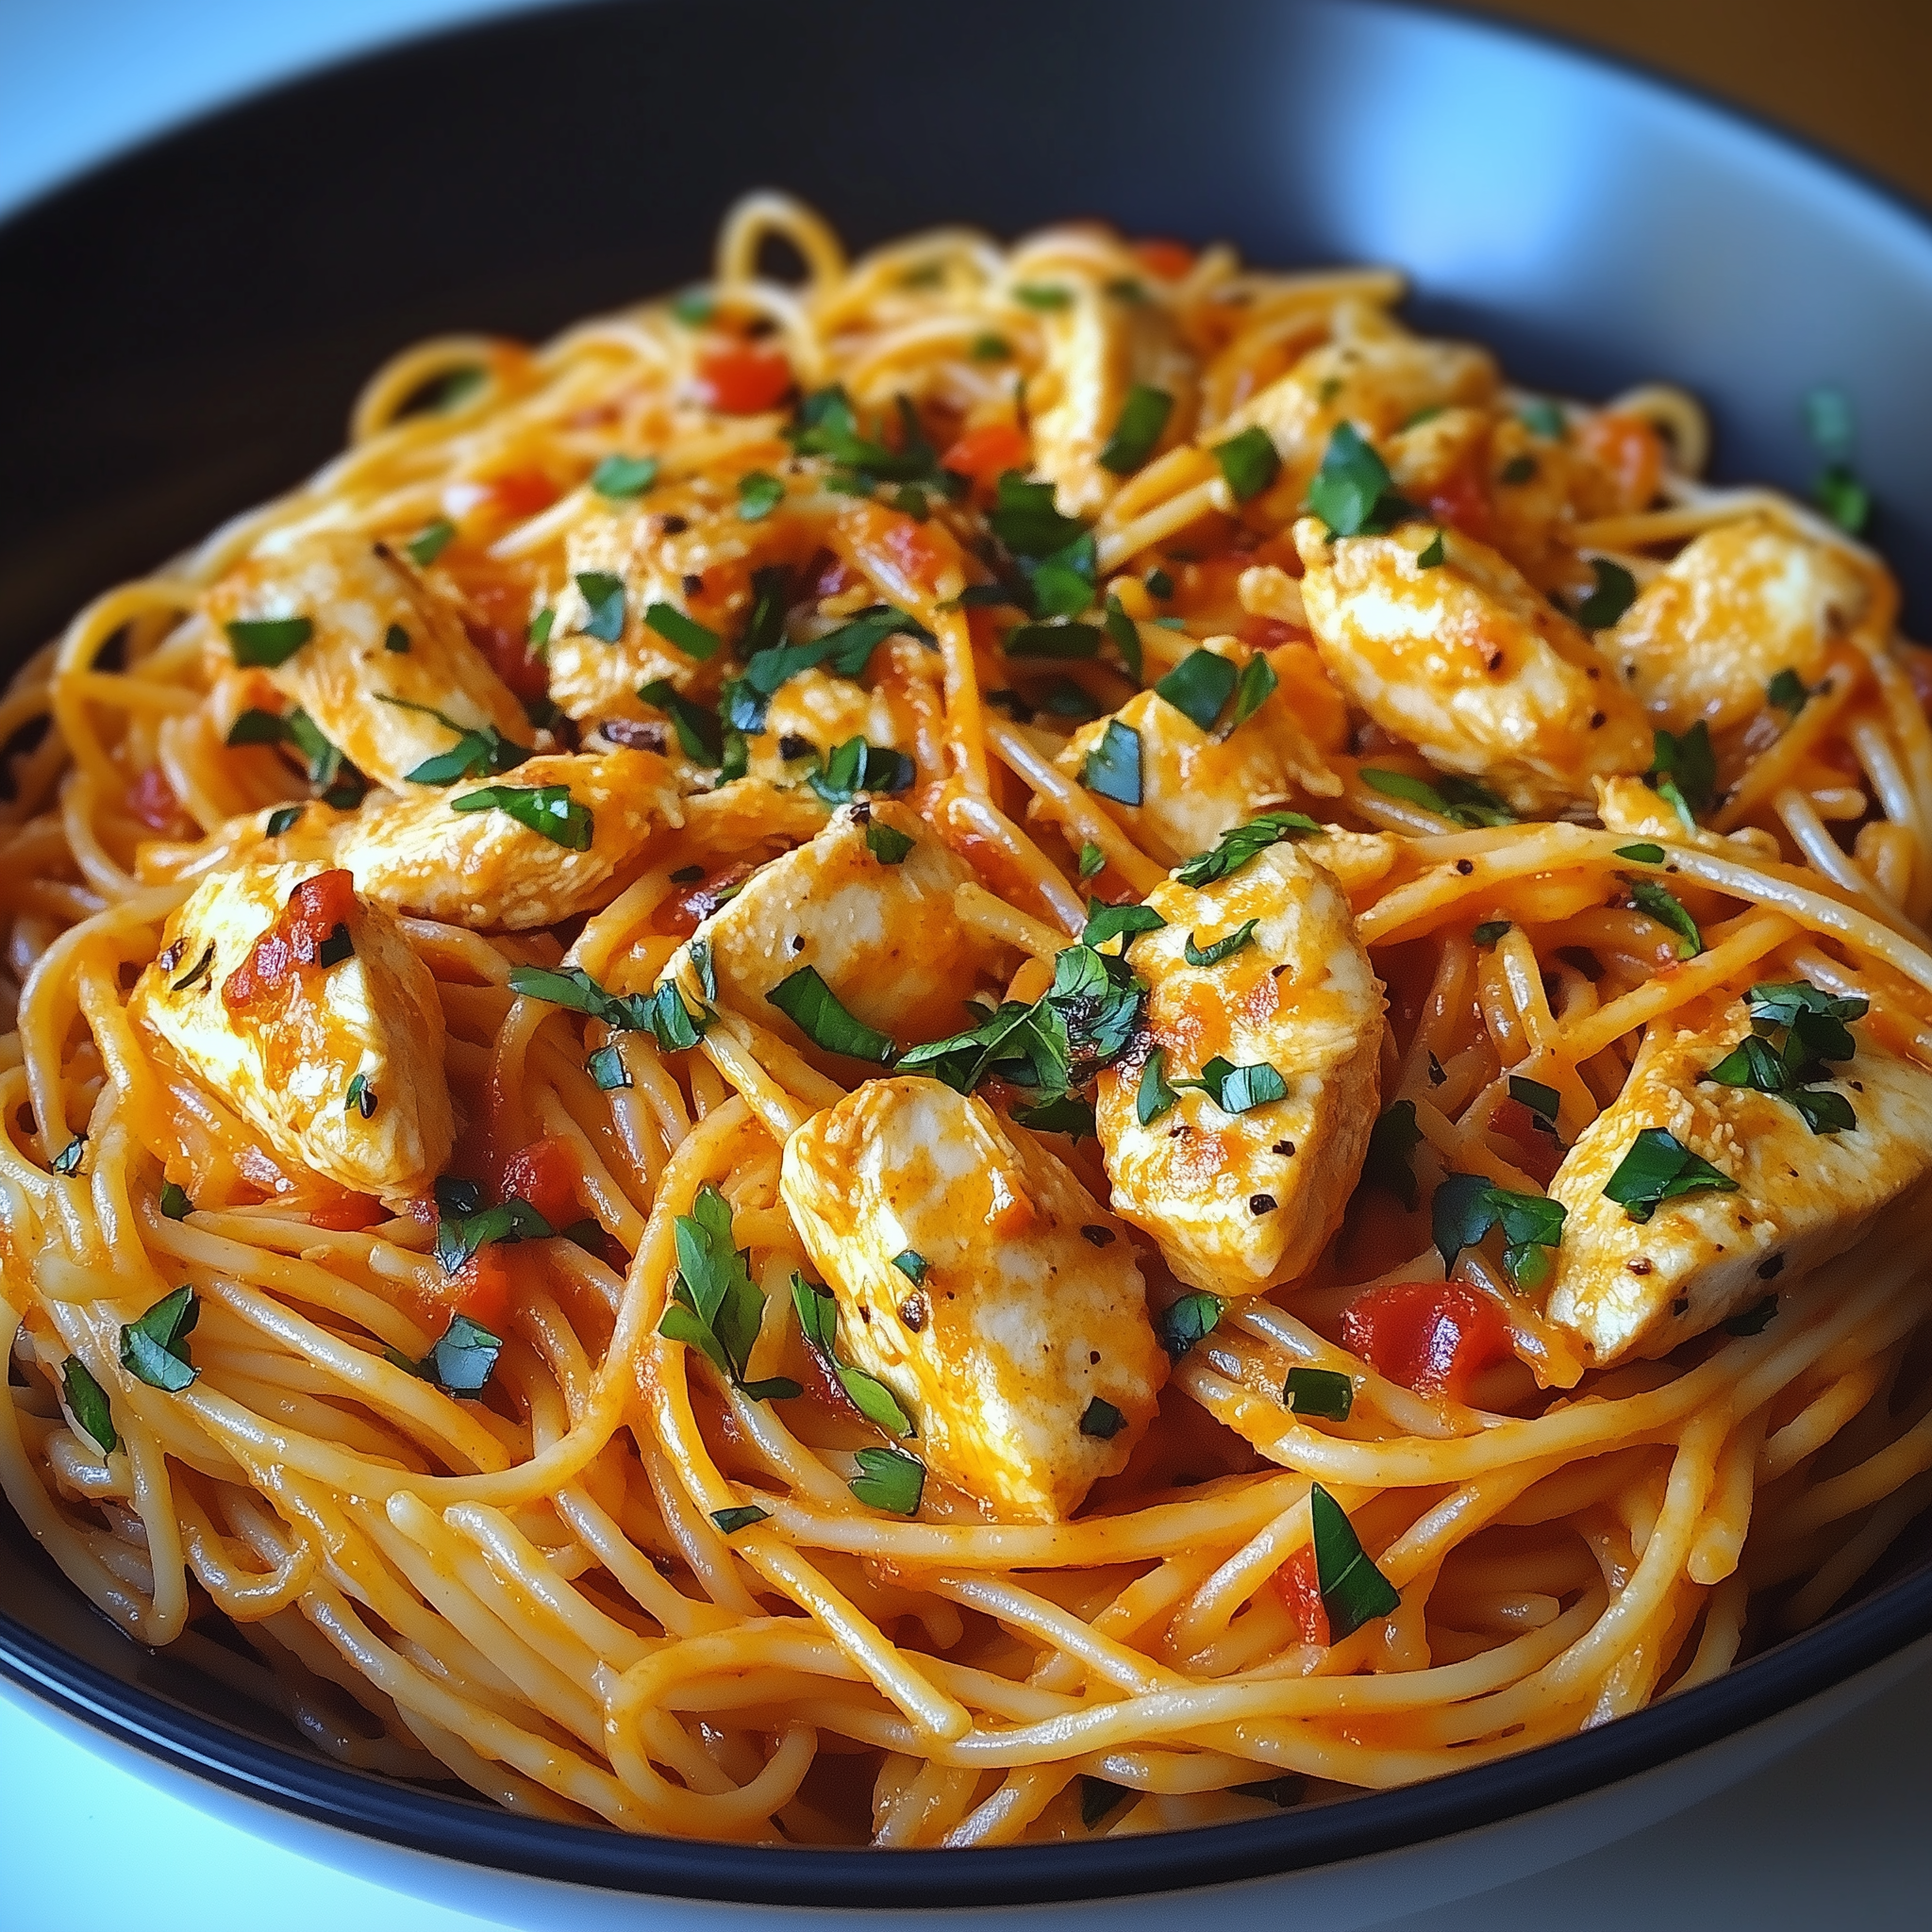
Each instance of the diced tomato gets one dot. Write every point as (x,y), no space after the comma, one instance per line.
(1535,1151)
(689,906)
(316,907)
(1630,450)
(741,379)
(1462,502)
(522,494)
(481,1289)
(1169,260)
(545,1175)
(345,1211)
(1434,1337)
(1299,1585)
(152,799)
(986,453)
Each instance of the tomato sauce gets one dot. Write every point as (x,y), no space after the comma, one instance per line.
(545,1173)
(1434,1337)
(152,799)
(293,943)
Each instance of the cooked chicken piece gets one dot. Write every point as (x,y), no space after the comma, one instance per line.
(378,630)
(817,711)
(489,868)
(687,548)
(1239,1201)
(1196,784)
(884,937)
(1731,610)
(1019,1307)
(1374,374)
(1628,1288)
(1467,663)
(337,1061)
(1097,348)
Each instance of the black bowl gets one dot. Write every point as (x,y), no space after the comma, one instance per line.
(188,327)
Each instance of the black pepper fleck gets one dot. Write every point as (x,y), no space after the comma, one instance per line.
(693,582)
(1465,866)
(674,526)
(1286,1149)
(1768,1270)
(1100,1237)
(912,1313)
(793,747)
(1640,1266)
(1260,1203)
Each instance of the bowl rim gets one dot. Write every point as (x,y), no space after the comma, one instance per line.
(181,1738)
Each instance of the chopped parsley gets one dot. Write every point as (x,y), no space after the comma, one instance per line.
(1025,519)
(1113,768)
(1258,684)
(1159,584)
(606,1067)
(662,1013)
(729,1522)
(990,348)
(1106,922)
(267,643)
(886,843)
(1789,692)
(857,766)
(622,477)
(1212,954)
(1352,491)
(828,425)
(818,1319)
(1518,469)
(1662,905)
(604,594)
(1796,1030)
(1244,842)
(1683,767)
(174,1202)
(1102,1419)
(465,1225)
(362,1096)
(1199,686)
(1643,854)
(1059,640)
(1179,1325)
(813,1007)
(845,651)
(429,543)
(68,1160)
(1616,591)
(700,734)
(1836,489)
(1249,461)
(1490,931)
(196,973)
(1660,1168)
(87,1402)
(396,638)
(889,1480)
(1325,1393)
(1543,418)
(758,495)
(283,819)
(693,638)
(1461,801)
(1753,1319)
(715,1306)
(912,1265)
(548,809)
(1126,638)
(1466,1207)
(480,750)
(1093,861)
(1353,1592)
(1239,1089)
(1431,555)
(155,1348)
(1154,1097)
(1042,296)
(1544,1103)
(1137,429)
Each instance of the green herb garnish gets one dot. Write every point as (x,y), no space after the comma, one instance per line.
(1137,429)
(548,809)
(1325,1393)
(818,1319)
(1466,1207)
(1353,1592)
(1236,847)
(812,1006)
(1660,1168)
(155,1348)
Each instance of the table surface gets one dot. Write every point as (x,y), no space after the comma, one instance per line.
(1834,1829)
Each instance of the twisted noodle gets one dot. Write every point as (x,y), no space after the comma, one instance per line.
(530,1593)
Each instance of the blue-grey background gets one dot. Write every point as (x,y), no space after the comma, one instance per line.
(1835,1831)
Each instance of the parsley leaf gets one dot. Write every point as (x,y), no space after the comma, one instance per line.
(1238,846)
(857,766)
(1154,1096)
(1466,1207)
(1644,854)
(828,425)
(1066,1115)
(700,735)
(480,751)
(1352,491)
(889,1480)
(886,843)
(693,638)
(155,1348)
(1126,638)
(548,809)
(1490,931)
(1431,555)
(1023,519)
(1461,801)
(1220,949)
(1057,640)
(1093,861)
(1684,768)
(1662,905)
(174,1202)
(1106,922)
(758,495)
(267,642)
(430,542)
(1616,591)
(1325,1393)
(1814,1030)
(68,1160)
(1544,1103)
(464,1357)
(87,1401)
(729,1522)
(1199,686)
(818,1319)
(1660,1168)
(603,593)
(1258,684)
(813,1007)
(622,477)
(846,650)
(1179,1325)
(1113,768)
(1249,461)
(1353,1592)
(1543,418)
(1753,1319)
(606,1067)
(715,1306)
(1789,692)
(1137,429)
(1102,1419)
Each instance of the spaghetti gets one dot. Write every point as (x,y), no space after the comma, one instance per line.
(515,1254)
